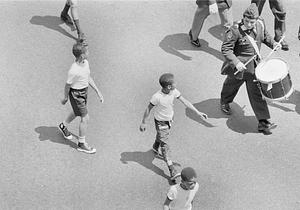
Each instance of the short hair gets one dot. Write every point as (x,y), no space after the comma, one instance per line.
(166,79)
(79,49)
(251,12)
(188,174)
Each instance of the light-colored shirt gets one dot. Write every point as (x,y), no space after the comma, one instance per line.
(181,199)
(78,75)
(163,110)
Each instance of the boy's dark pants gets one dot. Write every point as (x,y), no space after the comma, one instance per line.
(231,87)
(162,135)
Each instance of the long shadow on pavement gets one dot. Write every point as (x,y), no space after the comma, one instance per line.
(217,31)
(176,43)
(54,135)
(145,159)
(51,22)
(293,99)
(237,121)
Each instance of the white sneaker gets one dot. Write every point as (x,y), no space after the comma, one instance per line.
(84,147)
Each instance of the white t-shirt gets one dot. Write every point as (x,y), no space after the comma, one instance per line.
(163,110)
(181,199)
(78,75)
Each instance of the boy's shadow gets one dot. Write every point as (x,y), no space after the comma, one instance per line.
(52,22)
(54,135)
(145,159)
(237,121)
(293,99)
(175,43)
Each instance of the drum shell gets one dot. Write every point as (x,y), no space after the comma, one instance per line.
(280,90)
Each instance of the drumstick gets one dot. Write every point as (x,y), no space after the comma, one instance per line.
(254,56)
(273,50)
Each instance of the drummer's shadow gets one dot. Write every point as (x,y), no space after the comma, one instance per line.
(293,99)
(237,121)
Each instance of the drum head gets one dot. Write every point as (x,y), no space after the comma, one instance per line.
(271,70)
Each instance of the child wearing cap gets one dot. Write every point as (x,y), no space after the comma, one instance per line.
(162,102)
(76,89)
(181,195)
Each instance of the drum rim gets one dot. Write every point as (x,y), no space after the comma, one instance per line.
(278,80)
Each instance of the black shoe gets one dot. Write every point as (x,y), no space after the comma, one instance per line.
(226,109)
(66,18)
(194,42)
(284,44)
(264,126)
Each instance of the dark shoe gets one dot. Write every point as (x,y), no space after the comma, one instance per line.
(65,132)
(66,18)
(84,147)
(226,109)
(264,126)
(194,42)
(284,44)
(173,172)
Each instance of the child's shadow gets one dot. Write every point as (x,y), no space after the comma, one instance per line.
(237,121)
(293,99)
(52,22)
(175,43)
(145,159)
(54,135)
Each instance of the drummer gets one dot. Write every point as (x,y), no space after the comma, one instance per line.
(241,43)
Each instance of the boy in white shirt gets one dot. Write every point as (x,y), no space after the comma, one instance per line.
(180,196)
(162,101)
(76,89)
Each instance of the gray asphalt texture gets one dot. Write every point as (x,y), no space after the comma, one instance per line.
(131,44)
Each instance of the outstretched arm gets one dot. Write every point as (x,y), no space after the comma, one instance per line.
(94,86)
(189,105)
(145,117)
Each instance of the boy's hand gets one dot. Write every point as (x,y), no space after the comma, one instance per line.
(101,98)
(64,101)
(142,127)
(202,115)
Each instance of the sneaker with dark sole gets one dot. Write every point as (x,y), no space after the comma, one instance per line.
(66,19)
(65,132)
(84,147)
